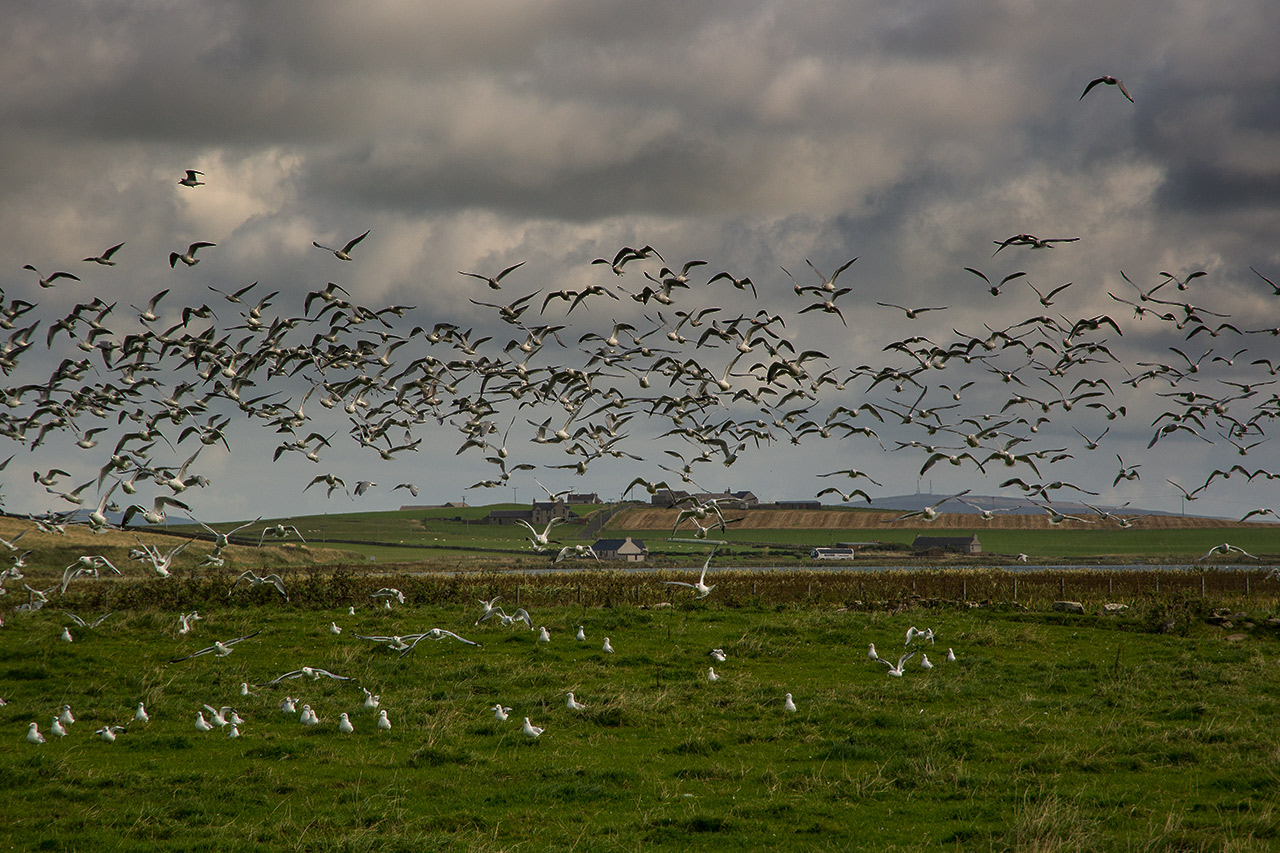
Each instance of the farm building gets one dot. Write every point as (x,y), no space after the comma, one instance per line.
(726,500)
(628,549)
(833,554)
(538,515)
(959,544)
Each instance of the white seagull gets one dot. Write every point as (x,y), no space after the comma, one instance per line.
(581,636)
(108,733)
(541,541)
(711,674)
(789,704)
(343,254)
(702,588)
(256,580)
(189,257)
(220,647)
(871,652)
(384,724)
(202,725)
(500,713)
(573,704)
(530,730)
(34,736)
(897,671)
(607,648)
(344,724)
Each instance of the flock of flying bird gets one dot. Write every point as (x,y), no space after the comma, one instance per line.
(160,387)
(701,370)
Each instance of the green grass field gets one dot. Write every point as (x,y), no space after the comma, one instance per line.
(1049,732)
(451,537)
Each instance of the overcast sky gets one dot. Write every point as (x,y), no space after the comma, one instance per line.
(753,135)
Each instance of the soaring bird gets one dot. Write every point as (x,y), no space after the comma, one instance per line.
(48,281)
(702,588)
(1110,81)
(494,281)
(189,258)
(343,254)
(105,257)
(190,180)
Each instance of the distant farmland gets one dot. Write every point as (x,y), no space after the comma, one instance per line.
(646,518)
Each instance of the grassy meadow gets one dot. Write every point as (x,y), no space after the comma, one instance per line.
(1152,730)
(449,537)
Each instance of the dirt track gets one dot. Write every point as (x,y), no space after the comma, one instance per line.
(819,519)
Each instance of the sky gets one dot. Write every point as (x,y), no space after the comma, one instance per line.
(761,137)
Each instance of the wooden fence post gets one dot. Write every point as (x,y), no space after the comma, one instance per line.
(964,590)
(1015,590)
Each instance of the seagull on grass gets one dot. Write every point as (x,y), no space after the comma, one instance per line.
(530,730)
(500,712)
(897,671)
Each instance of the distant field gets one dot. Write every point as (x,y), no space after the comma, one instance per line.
(446,538)
(1155,538)
(647,518)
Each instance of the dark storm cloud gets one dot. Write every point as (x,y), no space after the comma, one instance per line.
(752,134)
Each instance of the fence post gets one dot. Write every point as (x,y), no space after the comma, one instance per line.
(517,595)
(1062,587)
(964,590)
(1015,590)
(1246,584)
(1202,586)
(1108,584)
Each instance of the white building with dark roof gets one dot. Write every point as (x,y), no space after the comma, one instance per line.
(628,550)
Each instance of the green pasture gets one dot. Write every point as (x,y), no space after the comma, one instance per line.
(1153,730)
(458,536)
(1179,544)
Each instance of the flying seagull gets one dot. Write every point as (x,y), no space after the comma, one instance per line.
(343,254)
(1110,81)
